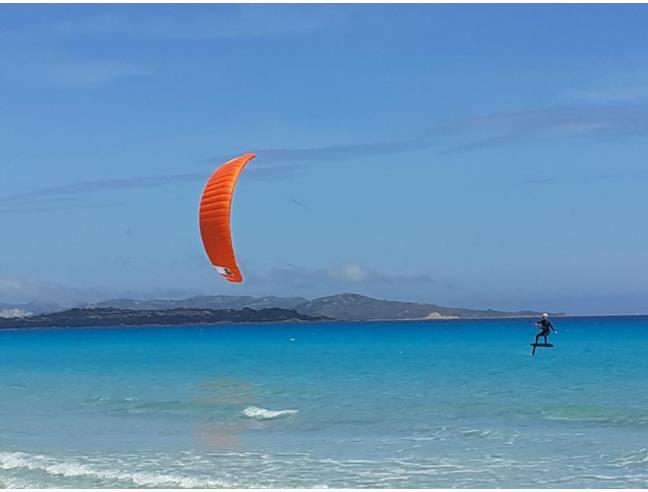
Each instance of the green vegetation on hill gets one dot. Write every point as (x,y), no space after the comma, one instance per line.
(357,307)
(178,316)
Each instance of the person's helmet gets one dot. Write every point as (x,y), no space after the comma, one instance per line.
(545,315)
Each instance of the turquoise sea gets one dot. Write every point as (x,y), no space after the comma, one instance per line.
(389,404)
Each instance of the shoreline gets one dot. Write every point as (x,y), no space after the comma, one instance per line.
(222,324)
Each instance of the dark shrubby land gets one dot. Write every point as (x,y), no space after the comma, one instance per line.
(79,317)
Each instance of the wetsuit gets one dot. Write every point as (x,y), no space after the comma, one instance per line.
(545,325)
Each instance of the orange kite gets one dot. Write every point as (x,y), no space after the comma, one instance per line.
(215,211)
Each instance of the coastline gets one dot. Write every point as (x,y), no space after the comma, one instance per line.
(296,321)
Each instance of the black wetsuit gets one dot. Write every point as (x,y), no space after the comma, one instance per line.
(545,325)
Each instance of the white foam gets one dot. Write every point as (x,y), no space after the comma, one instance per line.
(303,470)
(265,414)
(70,469)
(639,457)
(9,461)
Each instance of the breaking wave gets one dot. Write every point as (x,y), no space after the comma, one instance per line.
(259,413)
(187,469)
(73,469)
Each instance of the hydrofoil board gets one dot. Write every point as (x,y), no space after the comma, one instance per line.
(536,345)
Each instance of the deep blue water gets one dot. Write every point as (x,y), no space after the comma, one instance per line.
(394,404)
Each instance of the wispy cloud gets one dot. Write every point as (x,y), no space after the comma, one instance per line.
(201,21)
(281,280)
(32,51)
(353,276)
(111,185)
(351,272)
(336,278)
(91,187)
(480,133)
(573,179)
(470,134)
(24,208)
(266,168)
(611,95)
(65,70)
(546,124)
(15,290)
(331,153)
(92,72)
(18,204)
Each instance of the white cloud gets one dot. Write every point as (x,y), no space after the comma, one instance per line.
(13,313)
(287,280)
(346,277)
(353,272)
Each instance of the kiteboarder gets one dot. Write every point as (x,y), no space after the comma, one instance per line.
(544,325)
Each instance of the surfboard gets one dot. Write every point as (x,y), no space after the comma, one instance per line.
(536,345)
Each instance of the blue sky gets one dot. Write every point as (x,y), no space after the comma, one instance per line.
(470,155)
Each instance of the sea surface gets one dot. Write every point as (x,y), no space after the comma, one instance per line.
(384,404)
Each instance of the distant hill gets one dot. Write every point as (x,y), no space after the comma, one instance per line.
(357,307)
(79,317)
(30,307)
(206,302)
(341,306)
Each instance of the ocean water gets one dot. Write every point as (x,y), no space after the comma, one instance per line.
(394,404)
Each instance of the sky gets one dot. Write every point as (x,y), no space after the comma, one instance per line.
(485,156)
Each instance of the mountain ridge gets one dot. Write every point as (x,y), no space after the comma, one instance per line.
(356,307)
(345,306)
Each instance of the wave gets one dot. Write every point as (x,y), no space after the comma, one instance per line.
(598,414)
(634,458)
(259,413)
(71,469)
(135,406)
(188,469)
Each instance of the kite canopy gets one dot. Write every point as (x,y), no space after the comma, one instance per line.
(215,209)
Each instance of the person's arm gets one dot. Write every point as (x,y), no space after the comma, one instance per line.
(552,327)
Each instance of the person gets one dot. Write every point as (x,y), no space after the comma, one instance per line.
(544,325)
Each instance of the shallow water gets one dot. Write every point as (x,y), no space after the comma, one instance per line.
(400,404)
